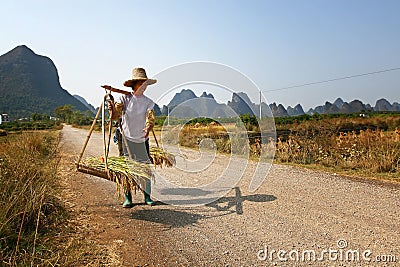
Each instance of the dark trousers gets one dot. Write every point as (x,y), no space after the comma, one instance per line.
(139,151)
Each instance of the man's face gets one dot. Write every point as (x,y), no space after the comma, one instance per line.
(140,86)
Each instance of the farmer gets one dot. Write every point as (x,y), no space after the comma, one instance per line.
(137,114)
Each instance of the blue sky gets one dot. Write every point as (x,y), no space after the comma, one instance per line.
(275,43)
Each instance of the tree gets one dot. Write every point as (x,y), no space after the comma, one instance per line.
(36,116)
(64,113)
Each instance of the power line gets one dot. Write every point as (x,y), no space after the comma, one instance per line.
(332,80)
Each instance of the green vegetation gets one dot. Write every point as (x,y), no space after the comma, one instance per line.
(23,105)
(249,121)
(70,115)
(160,120)
(30,125)
(37,121)
(285,122)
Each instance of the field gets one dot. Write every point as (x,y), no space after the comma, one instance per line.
(353,145)
(343,144)
(18,126)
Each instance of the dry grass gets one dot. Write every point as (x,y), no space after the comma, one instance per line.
(192,135)
(28,203)
(373,153)
(35,227)
(369,152)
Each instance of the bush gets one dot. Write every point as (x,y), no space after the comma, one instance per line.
(250,122)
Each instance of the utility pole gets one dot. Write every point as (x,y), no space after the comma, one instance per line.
(167,115)
(260,104)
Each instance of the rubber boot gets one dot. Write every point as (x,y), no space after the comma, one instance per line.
(147,193)
(128,201)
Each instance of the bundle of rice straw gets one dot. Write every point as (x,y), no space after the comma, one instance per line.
(159,157)
(125,172)
(121,170)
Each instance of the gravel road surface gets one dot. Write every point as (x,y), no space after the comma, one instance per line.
(298,217)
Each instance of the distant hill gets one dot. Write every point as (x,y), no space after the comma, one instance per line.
(241,104)
(83,101)
(179,98)
(384,105)
(191,105)
(278,110)
(30,83)
(339,102)
(339,106)
(296,111)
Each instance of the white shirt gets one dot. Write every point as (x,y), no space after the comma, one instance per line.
(134,116)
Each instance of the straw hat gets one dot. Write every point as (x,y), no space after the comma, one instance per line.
(139,74)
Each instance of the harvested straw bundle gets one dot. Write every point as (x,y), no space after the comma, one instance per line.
(124,172)
(121,170)
(159,157)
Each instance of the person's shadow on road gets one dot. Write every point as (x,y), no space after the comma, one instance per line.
(167,217)
(179,218)
(226,203)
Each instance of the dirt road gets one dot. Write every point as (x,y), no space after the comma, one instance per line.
(297,217)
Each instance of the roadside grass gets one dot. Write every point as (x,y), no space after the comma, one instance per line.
(370,153)
(373,152)
(36,228)
(28,200)
(356,146)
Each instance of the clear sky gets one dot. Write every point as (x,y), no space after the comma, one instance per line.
(275,43)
